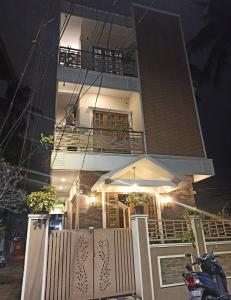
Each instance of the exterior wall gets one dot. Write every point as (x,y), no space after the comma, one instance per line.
(105,102)
(185,196)
(121,37)
(135,108)
(72,34)
(170,116)
(90,216)
(168,262)
(129,104)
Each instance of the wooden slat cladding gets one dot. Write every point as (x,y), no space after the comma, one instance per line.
(170,117)
(86,264)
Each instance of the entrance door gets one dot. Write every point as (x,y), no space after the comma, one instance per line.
(117,212)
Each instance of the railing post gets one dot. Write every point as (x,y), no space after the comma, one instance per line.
(142,257)
(33,285)
(197,228)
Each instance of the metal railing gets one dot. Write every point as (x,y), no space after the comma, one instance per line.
(217,230)
(81,59)
(167,231)
(74,138)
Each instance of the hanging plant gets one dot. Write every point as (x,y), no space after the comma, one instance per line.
(139,200)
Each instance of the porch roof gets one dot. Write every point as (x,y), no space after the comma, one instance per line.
(143,174)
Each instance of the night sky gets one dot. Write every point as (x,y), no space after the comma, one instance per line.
(19,22)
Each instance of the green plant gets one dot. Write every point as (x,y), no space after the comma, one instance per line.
(224,214)
(189,237)
(46,140)
(42,201)
(137,199)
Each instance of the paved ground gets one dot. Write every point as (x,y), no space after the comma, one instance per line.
(11,279)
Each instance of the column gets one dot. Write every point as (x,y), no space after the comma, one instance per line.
(142,257)
(197,227)
(34,276)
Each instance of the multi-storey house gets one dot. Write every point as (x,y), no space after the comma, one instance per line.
(126,117)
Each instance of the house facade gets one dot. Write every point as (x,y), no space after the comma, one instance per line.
(126,117)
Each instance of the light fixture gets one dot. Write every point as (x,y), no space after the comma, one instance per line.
(166,200)
(60,187)
(92,200)
(63,179)
(134,188)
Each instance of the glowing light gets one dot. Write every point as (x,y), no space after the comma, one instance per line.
(134,188)
(63,179)
(166,200)
(60,187)
(92,200)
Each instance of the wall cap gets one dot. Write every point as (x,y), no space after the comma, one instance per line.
(134,217)
(38,216)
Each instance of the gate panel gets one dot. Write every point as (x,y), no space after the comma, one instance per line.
(87,264)
(104,263)
(82,265)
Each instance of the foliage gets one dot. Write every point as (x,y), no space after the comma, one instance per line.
(46,140)
(12,198)
(189,237)
(212,44)
(42,201)
(224,214)
(137,199)
(121,127)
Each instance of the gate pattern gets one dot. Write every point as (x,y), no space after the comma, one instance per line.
(88,264)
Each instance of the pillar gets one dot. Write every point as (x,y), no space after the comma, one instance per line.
(197,228)
(142,257)
(34,276)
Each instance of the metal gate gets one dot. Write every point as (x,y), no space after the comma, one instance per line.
(88,264)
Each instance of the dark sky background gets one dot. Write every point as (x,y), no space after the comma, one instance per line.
(19,22)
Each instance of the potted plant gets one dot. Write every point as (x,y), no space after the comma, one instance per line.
(138,200)
(42,202)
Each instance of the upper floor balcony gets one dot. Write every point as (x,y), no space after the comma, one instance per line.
(100,60)
(81,139)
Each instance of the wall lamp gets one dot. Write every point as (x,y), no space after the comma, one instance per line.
(92,200)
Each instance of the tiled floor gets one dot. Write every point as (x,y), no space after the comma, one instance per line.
(11,280)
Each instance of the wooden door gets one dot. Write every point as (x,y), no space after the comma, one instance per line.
(110,132)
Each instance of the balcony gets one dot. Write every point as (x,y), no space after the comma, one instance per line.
(81,59)
(72,138)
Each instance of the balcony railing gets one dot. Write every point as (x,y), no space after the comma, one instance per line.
(72,138)
(81,59)
(215,230)
(167,231)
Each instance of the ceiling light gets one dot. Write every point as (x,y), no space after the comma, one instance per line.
(60,187)
(63,179)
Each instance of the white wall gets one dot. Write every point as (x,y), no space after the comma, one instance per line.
(135,108)
(103,102)
(123,104)
(72,34)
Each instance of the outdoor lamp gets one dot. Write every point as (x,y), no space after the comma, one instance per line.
(92,200)
(166,200)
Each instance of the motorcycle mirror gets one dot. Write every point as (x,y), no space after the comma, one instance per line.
(188,255)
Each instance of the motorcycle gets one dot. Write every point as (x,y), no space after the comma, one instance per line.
(2,260)
(210,283)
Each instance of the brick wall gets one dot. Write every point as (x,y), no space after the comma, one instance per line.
(170,119)
(89,215)
(183,195)
(171,269)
